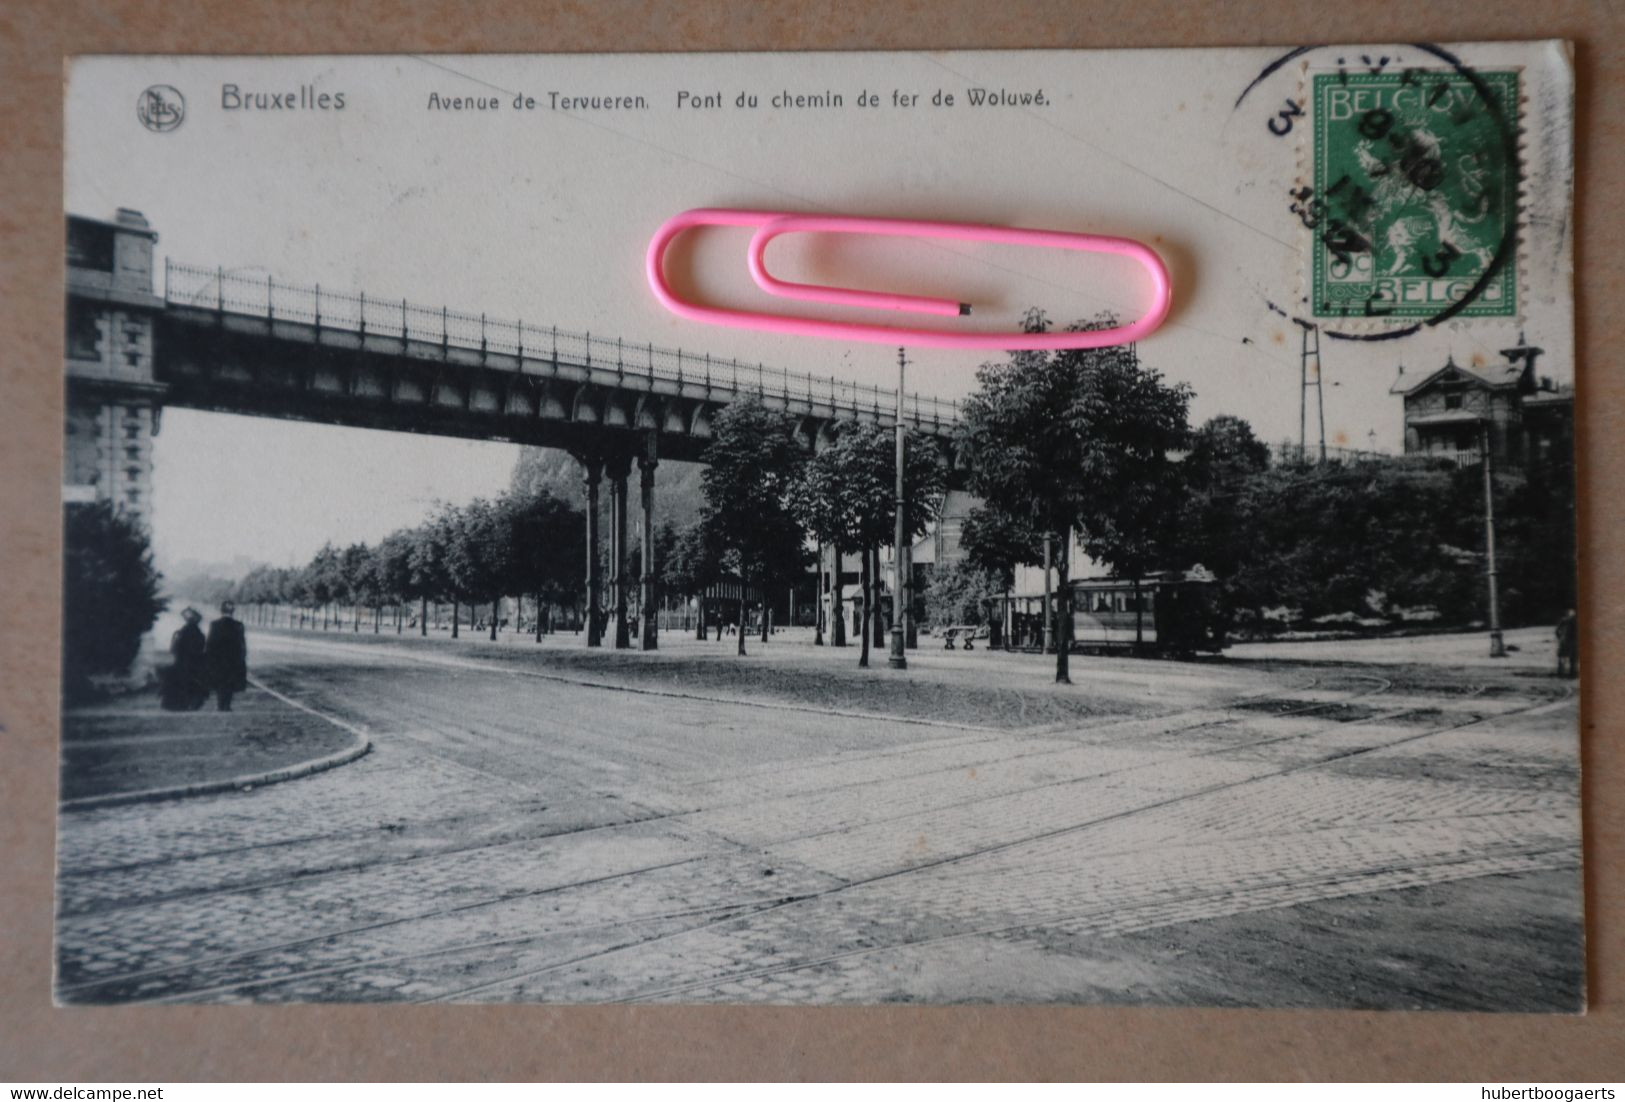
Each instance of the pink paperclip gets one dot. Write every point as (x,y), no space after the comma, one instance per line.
(771,224)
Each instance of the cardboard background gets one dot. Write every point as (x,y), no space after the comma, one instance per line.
(39,1043)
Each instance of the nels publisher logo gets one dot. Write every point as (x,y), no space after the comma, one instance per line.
(161,108)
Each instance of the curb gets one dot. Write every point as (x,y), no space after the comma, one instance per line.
(357,749)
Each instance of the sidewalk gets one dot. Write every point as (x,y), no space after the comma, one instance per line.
(1527,649)
(981,688)
(130,745)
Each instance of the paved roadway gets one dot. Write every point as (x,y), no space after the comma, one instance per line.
(1302,835)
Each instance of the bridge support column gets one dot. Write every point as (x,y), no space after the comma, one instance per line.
(649,636)
(593,471)
(619,468)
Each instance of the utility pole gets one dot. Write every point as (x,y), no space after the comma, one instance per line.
(898,660)
(1310,351)
(1497,643)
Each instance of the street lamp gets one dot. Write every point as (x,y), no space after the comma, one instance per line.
(1497,643)
(898,660)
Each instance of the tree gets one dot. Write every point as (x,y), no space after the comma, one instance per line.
(109,594)
(548,548)
(693,566)
(995,543)
(479,550)
(426,564)
(822,500)
(753,462)
(1365,538)
(665,542)
(963,593)
(355,573)
(253,590)
(1224,452)
(1535,538)
(324,580)
(1224,456)
(1076,440)
(456,568)
(297,589)
(392,570)
(846,498)
(371,585)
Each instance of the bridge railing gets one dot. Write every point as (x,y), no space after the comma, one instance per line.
(264,296)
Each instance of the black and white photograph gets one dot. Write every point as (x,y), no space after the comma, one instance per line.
(485,582)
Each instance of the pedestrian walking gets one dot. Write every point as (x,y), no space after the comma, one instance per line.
(227,656)
(186,681)
(1568,645)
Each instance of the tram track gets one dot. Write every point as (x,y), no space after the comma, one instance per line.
(1054,920)
(481,947)
(438,754)
(310,876)
(426,747)
(265,948)
(306,877)
(732,910)
(741,911)
(957,859)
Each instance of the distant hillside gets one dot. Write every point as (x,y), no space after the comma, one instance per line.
(236,567)
(202,582)
(679,491)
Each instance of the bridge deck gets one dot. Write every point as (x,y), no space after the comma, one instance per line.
(243,343)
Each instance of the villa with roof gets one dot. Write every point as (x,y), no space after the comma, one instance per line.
(1527,419)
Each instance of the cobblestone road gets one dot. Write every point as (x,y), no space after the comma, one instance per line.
(514,837)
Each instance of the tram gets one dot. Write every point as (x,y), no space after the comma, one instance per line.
(1179,614)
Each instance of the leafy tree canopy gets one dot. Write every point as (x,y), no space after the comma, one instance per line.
(963,593)
(1079,440)
(753,465)
(847,493)
(110,594)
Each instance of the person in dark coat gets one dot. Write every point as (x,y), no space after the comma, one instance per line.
(1568,645)
(186,685)
(227,655)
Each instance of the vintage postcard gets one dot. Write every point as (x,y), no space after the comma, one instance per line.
(473,593)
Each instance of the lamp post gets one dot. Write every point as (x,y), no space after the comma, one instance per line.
(1497,643)
(898,660)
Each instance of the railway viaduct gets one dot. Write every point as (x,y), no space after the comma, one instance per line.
(214,339)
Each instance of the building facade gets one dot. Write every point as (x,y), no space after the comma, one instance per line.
(113,408)
(1455,410)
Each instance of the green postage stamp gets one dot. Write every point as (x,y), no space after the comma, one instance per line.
(1415,195)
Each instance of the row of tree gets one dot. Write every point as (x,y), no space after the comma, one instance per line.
(767,504)
(1086,444)
(472,555)
(1094,444)
(772,509)
(1054,443)
(1382,539)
